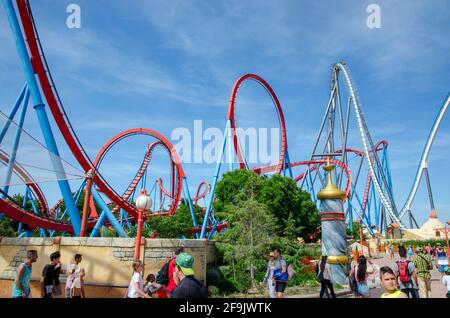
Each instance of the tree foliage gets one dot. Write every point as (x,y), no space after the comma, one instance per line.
(294,212)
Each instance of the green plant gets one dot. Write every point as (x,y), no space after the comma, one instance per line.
(7,228)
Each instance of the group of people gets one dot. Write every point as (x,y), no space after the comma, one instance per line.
(409,277)
(180,282)
(276,275)
(50,283)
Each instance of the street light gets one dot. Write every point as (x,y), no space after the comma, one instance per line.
(143,203)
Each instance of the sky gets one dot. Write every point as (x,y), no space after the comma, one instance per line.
(164,64)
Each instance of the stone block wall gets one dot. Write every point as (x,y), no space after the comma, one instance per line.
(107,261)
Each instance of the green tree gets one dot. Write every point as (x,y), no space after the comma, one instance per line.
(251,227)
(295,214)
(7,228)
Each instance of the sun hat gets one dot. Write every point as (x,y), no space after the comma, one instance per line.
(185,261)
(272,254)
(447,269)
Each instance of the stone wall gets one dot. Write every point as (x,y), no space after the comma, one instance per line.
(107,261)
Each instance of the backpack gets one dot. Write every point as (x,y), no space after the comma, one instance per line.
(403,272)
(163,275)
(279,276)
(320,277)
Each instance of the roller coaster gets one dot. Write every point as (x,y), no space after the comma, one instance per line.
(372,202)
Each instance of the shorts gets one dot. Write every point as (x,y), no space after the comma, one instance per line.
(48,291)
(280,287)
(362,289)
(441,268)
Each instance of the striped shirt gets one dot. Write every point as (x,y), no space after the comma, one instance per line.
(423,263)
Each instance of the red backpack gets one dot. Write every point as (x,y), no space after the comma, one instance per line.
(403,271)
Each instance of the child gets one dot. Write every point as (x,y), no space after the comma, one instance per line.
(446,280)
(69,282)
(151,287)
(389,283)
(77,290)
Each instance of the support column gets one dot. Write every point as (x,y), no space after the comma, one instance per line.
(39,107)
(334,234)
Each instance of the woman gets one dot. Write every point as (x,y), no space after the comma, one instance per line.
(410,253)
(361,275)
(325,277)
(269,276)
(136,288)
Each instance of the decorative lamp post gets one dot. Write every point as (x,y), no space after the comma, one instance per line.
(143,203)
(87,198)
(334,234)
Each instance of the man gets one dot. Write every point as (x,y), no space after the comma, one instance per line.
(280,273)
(423,264)
(401,248)
(388,281)
(74,272)
(50,284)
(21,285)
(187,285)
(406,275)
(171,286)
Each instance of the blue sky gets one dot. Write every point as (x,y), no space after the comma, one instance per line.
(164,64)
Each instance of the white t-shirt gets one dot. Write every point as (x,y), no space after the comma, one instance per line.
(446,282)
(136,278)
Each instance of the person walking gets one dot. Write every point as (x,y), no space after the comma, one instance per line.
(50,283)
(361,275)
(77,288)
(21,285)
(388,281)
(441,259)
(446,280)
(391,251)
(187,285)
(136,288)
(325,277)
(423,264)
(406,276)
(74,270)
(401,247)
(280,273)
(268,278)
(410,252)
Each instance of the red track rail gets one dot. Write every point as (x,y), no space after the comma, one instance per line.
(231,117)
(57,111)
